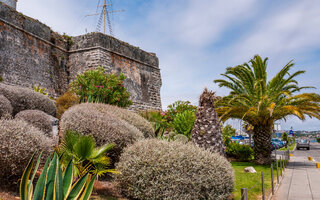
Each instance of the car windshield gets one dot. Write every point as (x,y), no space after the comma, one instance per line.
(303,141)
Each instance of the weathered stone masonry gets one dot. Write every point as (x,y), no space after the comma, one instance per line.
(32,54)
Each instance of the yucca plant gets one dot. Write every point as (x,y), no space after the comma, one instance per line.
(53,183)
(183,123)
(86,156)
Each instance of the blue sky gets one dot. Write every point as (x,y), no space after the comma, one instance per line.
(196,40)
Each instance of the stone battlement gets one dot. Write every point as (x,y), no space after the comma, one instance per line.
(32,54)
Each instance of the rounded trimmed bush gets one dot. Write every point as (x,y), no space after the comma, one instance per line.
(129,116)
(91,119)
(5,106)
(156,169)
(18,141)
(38,119)
(27,99)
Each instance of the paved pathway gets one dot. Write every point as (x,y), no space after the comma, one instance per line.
(302,178)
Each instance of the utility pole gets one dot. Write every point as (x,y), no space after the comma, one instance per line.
(106,17)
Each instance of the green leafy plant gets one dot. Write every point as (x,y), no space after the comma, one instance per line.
(318,140)
(183,122)
(1,79)
(158,121)
(227,133)
(240,152)
(178,107)
(40,90)
(96,86)
(53,183)
(86,156)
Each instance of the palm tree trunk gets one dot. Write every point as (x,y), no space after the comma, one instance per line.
(262,144)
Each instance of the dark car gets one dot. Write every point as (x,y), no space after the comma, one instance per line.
(303,144)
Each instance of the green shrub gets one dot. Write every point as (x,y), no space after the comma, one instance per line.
(5,106)
(27,99)
(1,79)
(157,169)
(240,152)
(37,118)
(64,102)
(183,123)
(179,107)
(96,86)
(53,183)
(18,141)
(158,121)
(105,127)
(318,140)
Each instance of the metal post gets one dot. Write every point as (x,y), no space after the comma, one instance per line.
(284,163)
(272,182)
(262,181)
(244,194)
(280,167)
(277,171)
(276,153)
(288,154)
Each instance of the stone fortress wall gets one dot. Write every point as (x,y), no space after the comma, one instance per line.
(32,54)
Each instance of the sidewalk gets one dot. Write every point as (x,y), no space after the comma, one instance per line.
(301,181)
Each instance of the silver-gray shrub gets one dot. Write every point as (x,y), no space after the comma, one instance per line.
(18,141)
(90,119)
(38,119)
(129,116)
(5,106)
(155,169)
(27,99)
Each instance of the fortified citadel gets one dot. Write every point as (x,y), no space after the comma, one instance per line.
(32,54)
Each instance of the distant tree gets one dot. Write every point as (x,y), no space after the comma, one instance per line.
(285,138)
(227,132)
(260,102)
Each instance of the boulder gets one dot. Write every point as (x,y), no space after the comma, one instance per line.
(250,170)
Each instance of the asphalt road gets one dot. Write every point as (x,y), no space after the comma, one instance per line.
(301,179)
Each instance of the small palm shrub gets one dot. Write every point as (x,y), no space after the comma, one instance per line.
(65,101)
(105,128)
(157,169)
(96,86)
(27,99)
(54,183)
(5,106)
(18,141)
(240,152)
(84,153)
(183,123)
(37,118)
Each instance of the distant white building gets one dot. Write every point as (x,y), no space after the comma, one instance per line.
(11,3)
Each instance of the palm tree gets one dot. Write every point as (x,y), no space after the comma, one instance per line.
(86,156)
(260,102)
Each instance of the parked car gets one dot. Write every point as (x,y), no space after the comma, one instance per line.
(303,144)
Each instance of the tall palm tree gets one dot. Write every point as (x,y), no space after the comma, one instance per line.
(261,102)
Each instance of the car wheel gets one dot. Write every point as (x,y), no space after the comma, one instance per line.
(298,148)
(308,148)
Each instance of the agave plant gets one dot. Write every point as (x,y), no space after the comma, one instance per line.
(53,183)
(40,90)
(86,156)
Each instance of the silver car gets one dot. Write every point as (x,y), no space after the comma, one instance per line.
(303,144)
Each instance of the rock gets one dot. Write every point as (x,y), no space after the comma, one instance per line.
(250,170)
